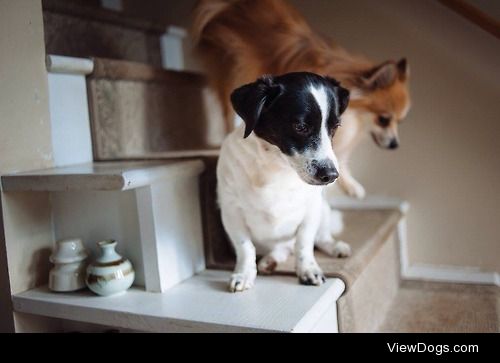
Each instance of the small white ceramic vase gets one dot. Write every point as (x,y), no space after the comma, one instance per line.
(110,273)
(68,273)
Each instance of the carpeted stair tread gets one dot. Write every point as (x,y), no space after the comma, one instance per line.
(366,231)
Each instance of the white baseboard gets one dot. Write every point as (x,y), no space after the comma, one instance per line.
(441,273)
(467,275)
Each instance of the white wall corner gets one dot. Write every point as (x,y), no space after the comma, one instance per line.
(172,48)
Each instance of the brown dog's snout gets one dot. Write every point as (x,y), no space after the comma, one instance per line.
(394,144)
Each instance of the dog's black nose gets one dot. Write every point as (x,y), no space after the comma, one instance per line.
(327,174)
(394,144)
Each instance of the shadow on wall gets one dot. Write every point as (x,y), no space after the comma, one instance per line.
(38,268)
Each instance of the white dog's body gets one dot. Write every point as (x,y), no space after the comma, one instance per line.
(268,209)
(255,178)
(257,183)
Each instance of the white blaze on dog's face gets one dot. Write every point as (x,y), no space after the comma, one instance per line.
(299,113)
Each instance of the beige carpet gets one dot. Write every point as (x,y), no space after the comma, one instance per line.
(443,307)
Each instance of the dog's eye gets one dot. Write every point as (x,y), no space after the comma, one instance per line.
(301,128)
(384,121)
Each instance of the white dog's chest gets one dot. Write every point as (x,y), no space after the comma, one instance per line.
(274,212)
(268,194)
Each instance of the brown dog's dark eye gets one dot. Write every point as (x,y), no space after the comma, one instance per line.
(301,128)
(383,121)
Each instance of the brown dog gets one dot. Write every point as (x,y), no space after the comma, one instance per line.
(240,40)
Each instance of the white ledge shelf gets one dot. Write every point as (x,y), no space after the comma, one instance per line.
(199,304)
(104,176)
(132,203)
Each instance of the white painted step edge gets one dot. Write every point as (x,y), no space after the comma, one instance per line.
(100,176)
(370,202)
(200,304)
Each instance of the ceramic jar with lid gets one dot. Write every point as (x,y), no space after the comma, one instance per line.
(69,259)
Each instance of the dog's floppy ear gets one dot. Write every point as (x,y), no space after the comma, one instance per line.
(341,93)
(250,100)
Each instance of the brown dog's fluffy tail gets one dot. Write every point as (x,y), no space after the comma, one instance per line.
(204,12)
(220,48)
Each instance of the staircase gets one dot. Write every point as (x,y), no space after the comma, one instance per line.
(149,182)
(135,148)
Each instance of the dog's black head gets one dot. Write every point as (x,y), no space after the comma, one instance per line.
(299,113)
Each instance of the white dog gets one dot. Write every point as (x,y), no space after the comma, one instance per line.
(272,171)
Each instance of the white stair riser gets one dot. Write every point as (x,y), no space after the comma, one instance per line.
(172,48)
(69,113)
(171,232)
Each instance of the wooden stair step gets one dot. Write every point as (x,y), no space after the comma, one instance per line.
(366,231)
(85,29)
(99,176)
(199,304)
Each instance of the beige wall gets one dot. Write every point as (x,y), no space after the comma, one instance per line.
(25,129)
(24,144)
(447,166)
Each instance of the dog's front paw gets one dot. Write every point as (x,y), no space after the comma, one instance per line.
(267,265)
(354,189)
(341,249)
(242,281)
(335,248)
(311,275)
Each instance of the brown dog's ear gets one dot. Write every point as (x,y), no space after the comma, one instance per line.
(403,69)
(381,76)
(342,94)
(250,100)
